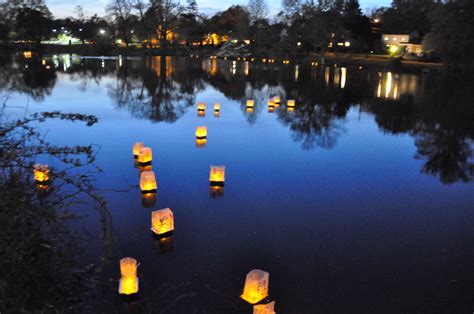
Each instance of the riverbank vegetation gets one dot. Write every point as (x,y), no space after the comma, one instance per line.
(300,29)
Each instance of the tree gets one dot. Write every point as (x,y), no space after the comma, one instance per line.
(163,15)
(233,22)
(121,12)
(32,25)
(452,32)
(258,10)
(356,25)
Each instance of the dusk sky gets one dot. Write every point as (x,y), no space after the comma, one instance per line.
(61,8)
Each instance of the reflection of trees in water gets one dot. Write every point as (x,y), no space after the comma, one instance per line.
(155,90)
(27,76)
(432,109)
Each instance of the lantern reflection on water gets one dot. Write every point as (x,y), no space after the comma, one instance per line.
(163,245)
(201,143)
(145,156)
(148,199)
(41,173)
(268,308)
(162,221)
(249,109)
(216,191)
(148,182)
(128,280)
(201,132)
(136,148)
(256,286)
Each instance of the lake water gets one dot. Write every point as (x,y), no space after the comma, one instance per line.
(360,200)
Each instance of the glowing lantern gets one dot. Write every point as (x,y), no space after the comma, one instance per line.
(162,221)
(268,308)
(217,175)
(276,99)
(145,155)
(256,286)
(27,54)
(129,279)
(217,107)
(136,148)
(201,143)
(250,103)
(201,106)
(249,109)
(201,132)
(41,173)
(147,182)
(290,103)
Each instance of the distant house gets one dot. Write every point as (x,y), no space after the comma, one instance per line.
(402,43)
(395,39)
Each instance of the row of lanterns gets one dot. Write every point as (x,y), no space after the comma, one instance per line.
(201,108)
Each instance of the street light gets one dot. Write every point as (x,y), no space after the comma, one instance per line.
(102,31)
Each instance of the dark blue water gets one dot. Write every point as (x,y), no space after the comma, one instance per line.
(361,200)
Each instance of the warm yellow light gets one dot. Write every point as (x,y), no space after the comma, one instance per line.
(393,49)
(148,199)
(201,132)
(249,109)
(268,308)
(256,286)
(145,155)
(347,44)
(41,173)
(136,148)
(128,267)
(290,103)
(148,181)
(217,174)
(250,103)
(162,221)
(216,191)
(276,99)
(201,106)
(264,60)
(27,54)
(217,107)
(271,103)
(201,113)
(290,109)
(129,279)
(343,77)
(201,143)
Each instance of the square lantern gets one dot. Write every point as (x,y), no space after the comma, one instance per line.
(129,279)
(290,103)
(256,286)
(276,99)
(201,106)
(148,182)
(217,175)
(41,173)
(268,308)
(217,107)
(271,103)
(162,221)
(250,103)
(136,148)
(145,156)
(201,132)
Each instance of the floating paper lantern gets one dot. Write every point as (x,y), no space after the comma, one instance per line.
(129,280)
(201,132)
(250,103)
(136,148)
(276,99)
(268,308)
(256,286)
(290,103)
(217,107)
(41,173)
(201,143)
(217,175)
(145,156)
(162,221)
(147,182)
(201,106)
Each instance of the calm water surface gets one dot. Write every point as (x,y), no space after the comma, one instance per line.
(358,201)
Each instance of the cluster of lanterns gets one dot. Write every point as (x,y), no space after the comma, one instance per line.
(272,104)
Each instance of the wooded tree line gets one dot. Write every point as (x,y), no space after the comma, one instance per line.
(302,26)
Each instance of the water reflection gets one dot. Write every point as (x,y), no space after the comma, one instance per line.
(434,110)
